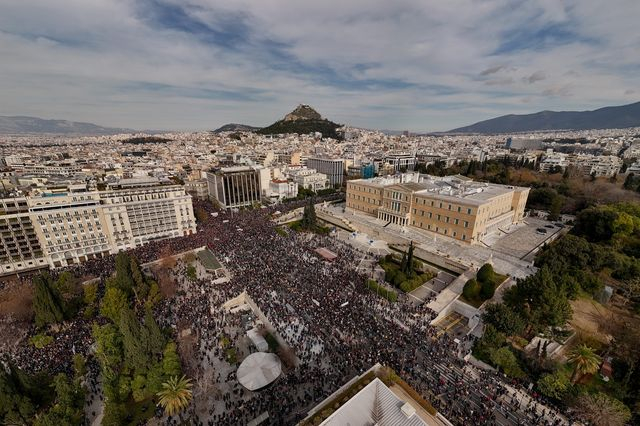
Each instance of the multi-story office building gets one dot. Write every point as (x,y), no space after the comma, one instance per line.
(454,206)
(239,186)
(68,228)
(401,162)
(332,167)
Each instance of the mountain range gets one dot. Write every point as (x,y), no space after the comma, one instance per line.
(613,117)
(34,125)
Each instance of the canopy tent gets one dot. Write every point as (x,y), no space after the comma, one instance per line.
(258,370)
(326,254)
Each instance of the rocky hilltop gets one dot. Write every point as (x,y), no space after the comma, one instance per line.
(303,120)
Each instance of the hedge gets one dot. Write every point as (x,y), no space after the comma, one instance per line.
(390,295)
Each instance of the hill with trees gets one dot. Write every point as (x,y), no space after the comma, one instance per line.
(303,120)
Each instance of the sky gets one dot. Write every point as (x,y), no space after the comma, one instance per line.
(420,65)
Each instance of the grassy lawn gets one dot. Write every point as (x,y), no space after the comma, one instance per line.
(281,231)
(476,303)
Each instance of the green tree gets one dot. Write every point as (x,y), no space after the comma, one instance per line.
(507,361)
(309,219)
(408,267)
(123,278)
(47,305)
(109,349)
(171,361)
(504,319)
(555,208)
(16,406)
(135,341)
(66,284)
(491,340)
(114,414)
(584,361)
(175,395)
(600,409)
(554,385)
(485,273)
(141,287)
(113,303)
(487,289)
(471,290)
(155,337)
(90,293)
(79,365)
(596,223)
(138,388)
(68,406)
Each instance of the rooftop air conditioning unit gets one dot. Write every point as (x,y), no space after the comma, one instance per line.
(408,410)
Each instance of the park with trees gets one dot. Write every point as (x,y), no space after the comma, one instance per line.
(139,364)
(601,250)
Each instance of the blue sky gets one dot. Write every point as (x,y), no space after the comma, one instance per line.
(423,65)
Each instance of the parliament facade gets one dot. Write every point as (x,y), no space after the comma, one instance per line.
(454,206)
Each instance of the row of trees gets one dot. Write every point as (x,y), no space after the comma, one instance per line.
(39,399)
(55,300)
(407,275)
(138,362)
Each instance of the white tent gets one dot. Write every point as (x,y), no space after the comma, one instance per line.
(258,370)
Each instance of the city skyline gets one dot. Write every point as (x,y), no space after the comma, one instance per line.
(423,66)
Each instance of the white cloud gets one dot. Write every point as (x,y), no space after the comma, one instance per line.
(106,62)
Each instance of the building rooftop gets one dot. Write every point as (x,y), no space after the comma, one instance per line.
(375,404)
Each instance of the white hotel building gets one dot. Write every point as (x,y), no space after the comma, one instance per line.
(69,228)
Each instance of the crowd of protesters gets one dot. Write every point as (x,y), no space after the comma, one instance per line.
(336,327)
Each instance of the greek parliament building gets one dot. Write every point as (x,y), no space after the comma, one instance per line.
(454,206)
(60,229)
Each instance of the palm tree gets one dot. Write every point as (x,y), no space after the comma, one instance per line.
(584,361)
(175,394)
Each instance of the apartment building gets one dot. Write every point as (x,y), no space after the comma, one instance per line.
(600,165)
(453,206)
(332,167)
(20,248)
(60,229)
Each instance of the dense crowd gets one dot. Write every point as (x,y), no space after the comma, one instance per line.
(337,327)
